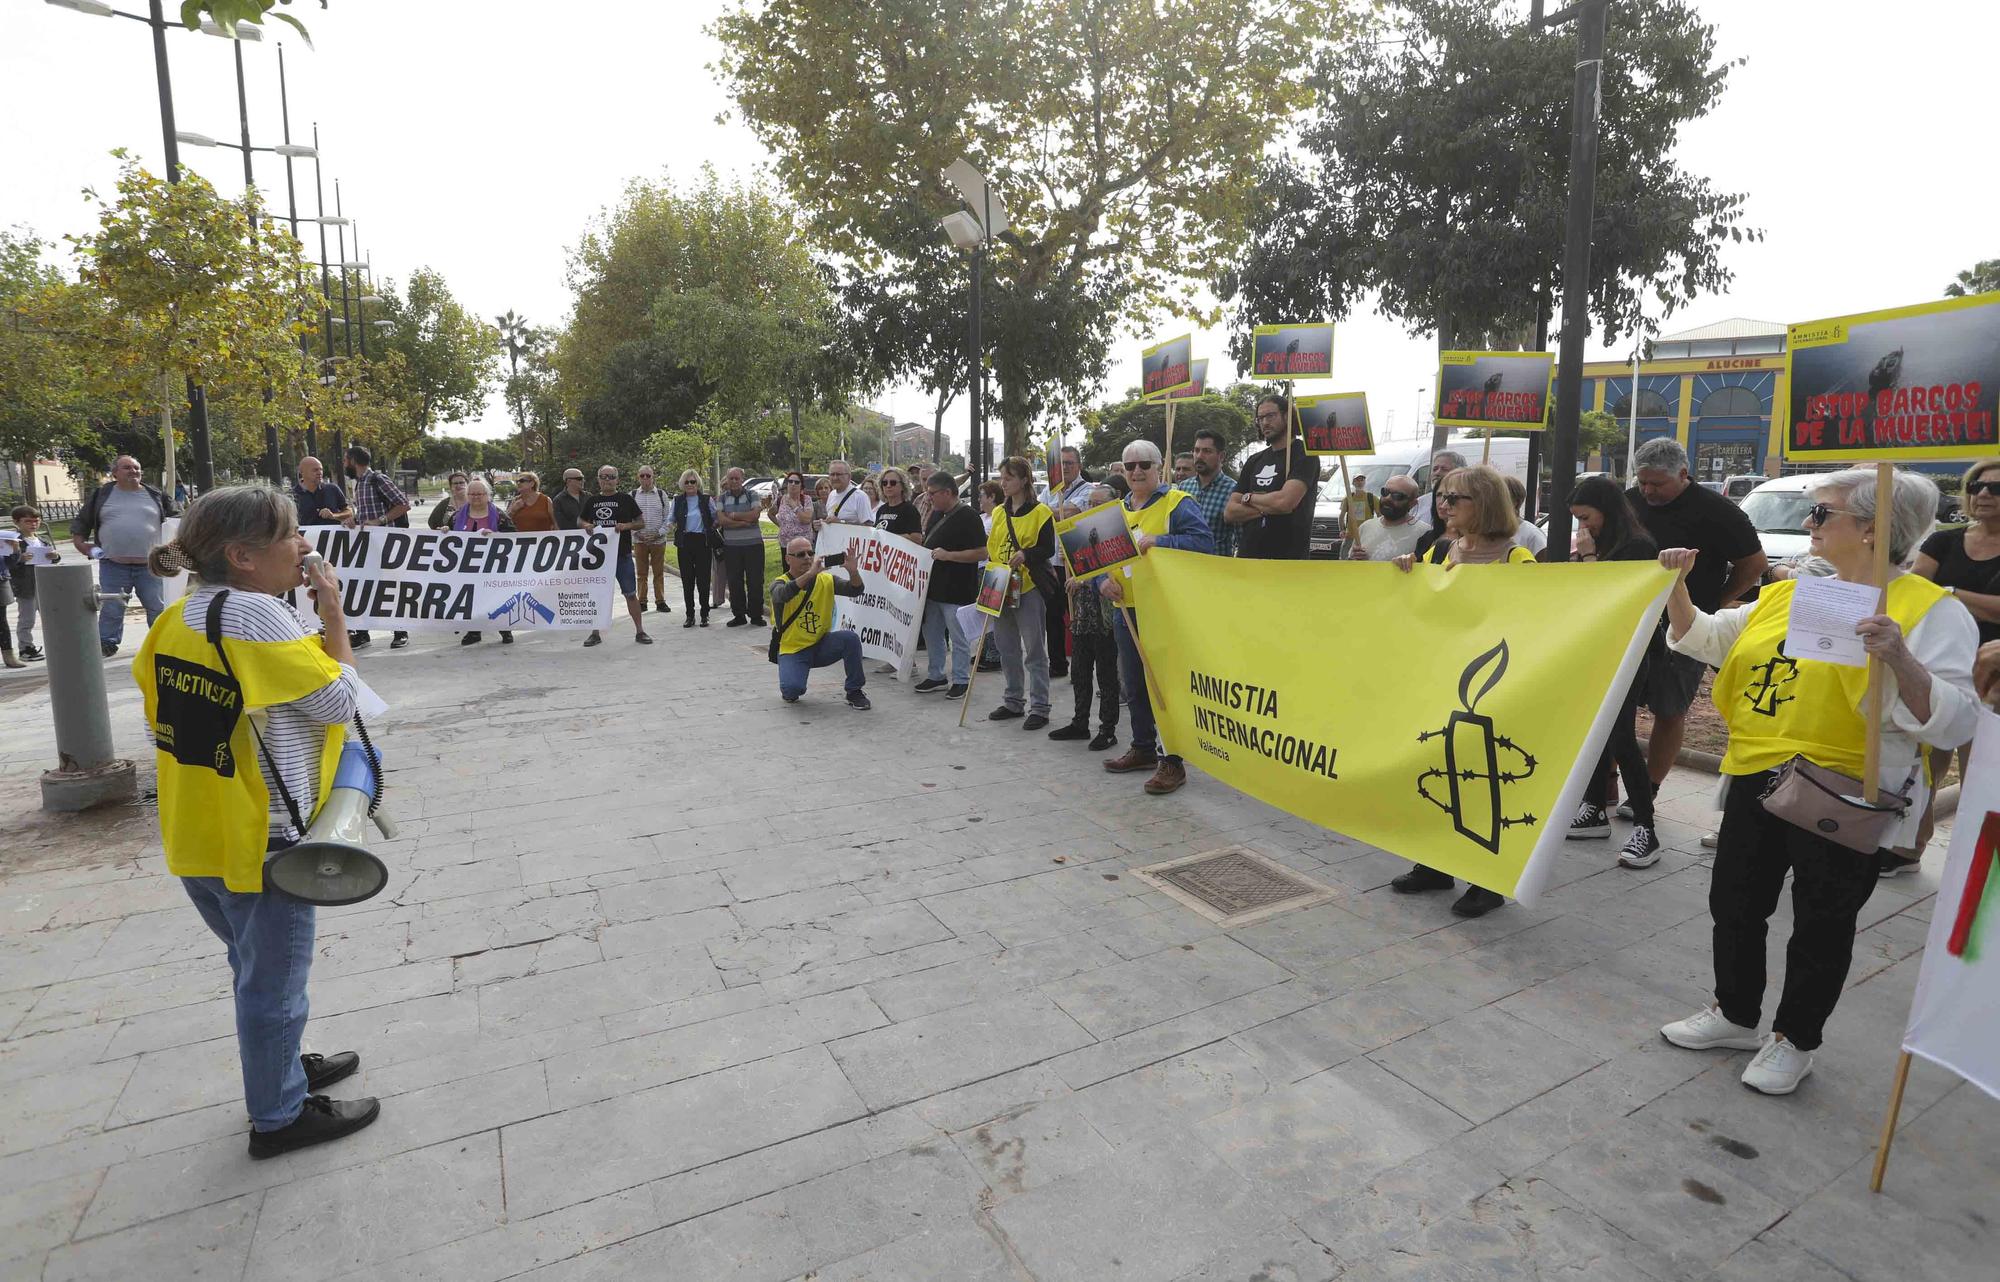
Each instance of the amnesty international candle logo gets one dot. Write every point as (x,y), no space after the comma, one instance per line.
(1472,770)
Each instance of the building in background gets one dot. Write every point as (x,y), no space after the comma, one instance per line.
(913,443)
(50,482)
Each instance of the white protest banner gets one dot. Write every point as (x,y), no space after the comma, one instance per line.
(464,581)
(895,574)
(1955,1017)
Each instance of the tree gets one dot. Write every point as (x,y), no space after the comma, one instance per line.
(1116,132)
(1983,277)
(449,355)
(227,13)
(1436,177)
(1117,426)
(45,405)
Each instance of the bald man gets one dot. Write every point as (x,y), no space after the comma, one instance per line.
(122,519)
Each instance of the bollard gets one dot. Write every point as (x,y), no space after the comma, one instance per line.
(86,773)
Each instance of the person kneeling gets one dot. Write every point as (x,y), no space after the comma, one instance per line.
(806,636)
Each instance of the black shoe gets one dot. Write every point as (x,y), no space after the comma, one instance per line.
(506,638)
(930,685)
(1035,722)
(643,639)
(593,639)
(1420,879)
(736,621)
(956,692)
(31,654)
(704,620)
(1003,713)
(1889,865)
(1104,739)
(758,620)
(324,1070)
(470,638)
(986,665)
(1477,901)
(688,622)
(109,647)
(858,701)
(788,698)
(398,641)
(322,1119)
(1074,730)
(358,639)
(1057,671)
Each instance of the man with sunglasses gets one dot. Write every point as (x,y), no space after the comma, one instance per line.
(802,610)
(1273,504)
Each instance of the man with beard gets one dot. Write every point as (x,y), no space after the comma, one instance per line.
(1273,503)
(1395,530)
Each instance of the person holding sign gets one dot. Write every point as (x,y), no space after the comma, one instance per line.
(1273,503)
(1795,718)
(1159,518)
(1023,536)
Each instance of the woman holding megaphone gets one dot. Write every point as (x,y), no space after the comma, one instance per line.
(248,715)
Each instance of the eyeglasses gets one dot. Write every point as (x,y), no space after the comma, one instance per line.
(1982,487)
(1140,466)
(1818,513)
(799,554)
(892,485)
(1449,499)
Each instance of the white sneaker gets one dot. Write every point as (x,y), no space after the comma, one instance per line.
(1778,1068)
(1709,1029)
(1708,841)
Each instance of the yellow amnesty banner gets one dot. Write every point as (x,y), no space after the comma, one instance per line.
(1449,716)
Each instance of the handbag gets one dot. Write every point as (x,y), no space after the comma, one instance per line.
(1829,804)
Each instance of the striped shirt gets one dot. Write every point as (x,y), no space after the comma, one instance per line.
(294,732)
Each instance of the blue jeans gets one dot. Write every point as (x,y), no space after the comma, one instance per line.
(835,647)
(941,621)
(1132,675)
(270,941)
(113,579)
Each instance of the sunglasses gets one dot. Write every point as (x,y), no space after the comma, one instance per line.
(1450,499)
(1818,513)
(800,555)
(1982,487)
(1139,467)
(892,485)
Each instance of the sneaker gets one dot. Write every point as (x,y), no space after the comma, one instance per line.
(1624,810)
(324,1070)
(788,698)
(858,701)
(643,638)
(109,647)
(1420,879)
(1889,865)
(689,623)
(1778,1068)
(1477,901)
(956,692)
(1104,739)
(322,1119)
(469,638)
(1709,1029)
(1590,821)
(506,638)
(358,639)
(1168,778)
(663,608)
(593,639)
(1035,722)
(929,685)
(1003,713)
(704,619)
(1641,849)
(736,622)
(1074,730)
(1708,841)
(32,654)
(1133,759)
(760,621)
(399,640)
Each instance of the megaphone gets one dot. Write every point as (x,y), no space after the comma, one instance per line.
(330,867)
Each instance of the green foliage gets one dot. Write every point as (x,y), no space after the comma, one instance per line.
(1437,177)
(45,404)
(673,450)
(449,356)
(227,13)
(1596,430)
(1115,132)
(1983,277)
(1117,426)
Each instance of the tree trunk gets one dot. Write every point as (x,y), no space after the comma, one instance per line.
(168,472)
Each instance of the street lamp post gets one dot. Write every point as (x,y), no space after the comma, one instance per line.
(982,218)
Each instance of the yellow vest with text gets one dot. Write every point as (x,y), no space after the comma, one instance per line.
(1027,529)
(214,807)
(1154,519)
(813,610)
(1778,707)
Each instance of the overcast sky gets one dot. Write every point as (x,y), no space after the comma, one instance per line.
(480,139)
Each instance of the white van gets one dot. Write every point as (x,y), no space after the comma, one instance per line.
(1411,459)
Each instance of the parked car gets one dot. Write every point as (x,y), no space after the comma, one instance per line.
(1737,488)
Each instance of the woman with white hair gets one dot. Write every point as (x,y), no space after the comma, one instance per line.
(1797,729)
(694,537)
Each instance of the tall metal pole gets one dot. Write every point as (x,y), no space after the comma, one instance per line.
(340,239)
(1632,418)
(271,465)
(1585,101)
(292,211)
(1534,477)
(976,369)
(360,306)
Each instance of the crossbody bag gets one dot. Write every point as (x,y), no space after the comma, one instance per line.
(1829,804)
(778,631)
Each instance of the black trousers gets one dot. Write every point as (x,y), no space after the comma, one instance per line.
(1622,748)
(1056,620)
(696,559)
(745,566)
(1093,663)
(1830,883)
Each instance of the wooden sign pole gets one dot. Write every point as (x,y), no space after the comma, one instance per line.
(1889,1123)
(972,675)
(1486,447)
(1167,467)
(1878,672)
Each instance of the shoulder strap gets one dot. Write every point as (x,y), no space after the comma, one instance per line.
(214,628)
(804,599)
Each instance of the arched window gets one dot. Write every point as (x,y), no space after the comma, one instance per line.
(1731,402)
(1651,405)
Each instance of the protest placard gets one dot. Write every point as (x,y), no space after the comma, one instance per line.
(895,575)
(1496,390)
(1095,540)
(464,581)
(1193,389)
(1336,424)
(1292,351)
(1167,366)
(994,582)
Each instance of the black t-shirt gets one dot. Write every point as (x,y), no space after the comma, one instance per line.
(606,509)
(1278,538)
(1957,570)
(569,510)
(1710,524)
(901,518)
(955,582)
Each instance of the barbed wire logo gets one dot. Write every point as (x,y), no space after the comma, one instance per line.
(1776,673)
(1472,751)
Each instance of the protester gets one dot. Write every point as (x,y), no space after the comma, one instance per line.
(1680,514)
(613,509)
(1526,534)
(694,529)
(958,550)
(454,499)
(738,518)
(821,489)
(569,504)
(1927,642)
(807,638)
(1986,674)
(377,501)
(919,474)
(1211,487)
(1094,656)
(792,510)
(1114,476)
(1443,464)
(1357,509)
(231,789)
(32,549)
(531,509)
(1023,536)
(1273,503)
(989,496)
(1183,468)
(319,501)
(1609,530)
(122,518)
(897,513)
(1395,530)
(479,512)
(1158,517)
(10,550)
(649,541)
(1070,493)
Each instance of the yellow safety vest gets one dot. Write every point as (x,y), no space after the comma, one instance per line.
(1154,519)
(1001,546)
(1778,707)
(214,807)
(814,613)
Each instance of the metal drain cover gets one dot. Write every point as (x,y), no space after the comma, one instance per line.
(1235,886)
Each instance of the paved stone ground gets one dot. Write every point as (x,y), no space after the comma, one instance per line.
(674,981)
